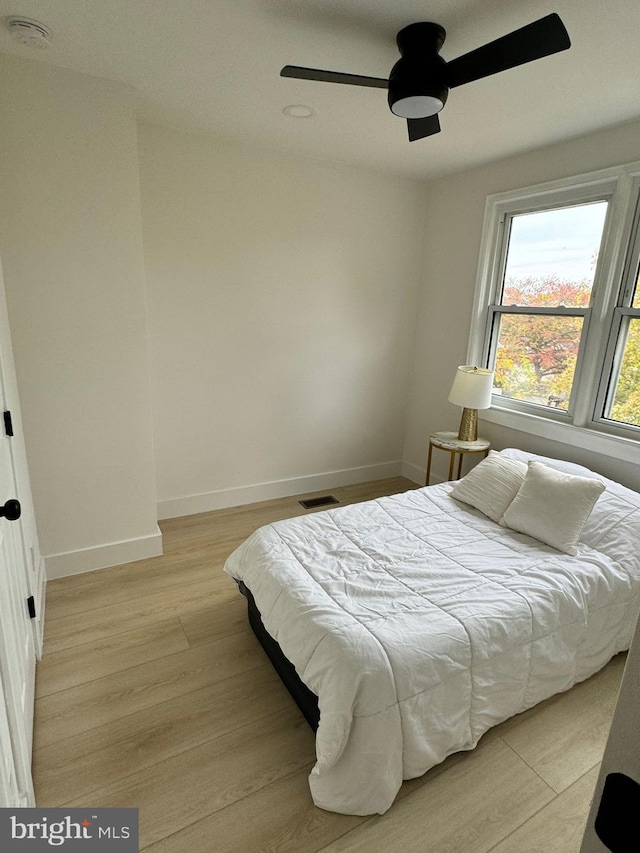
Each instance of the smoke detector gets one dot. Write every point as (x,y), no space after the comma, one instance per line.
(28,32)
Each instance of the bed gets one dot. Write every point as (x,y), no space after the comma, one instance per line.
(407,626)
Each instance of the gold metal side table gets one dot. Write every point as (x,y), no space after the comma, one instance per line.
(450,442)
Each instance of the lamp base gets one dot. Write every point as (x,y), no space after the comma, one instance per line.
(468,425)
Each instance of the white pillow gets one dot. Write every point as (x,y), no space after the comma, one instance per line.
(491,485)
(553,506)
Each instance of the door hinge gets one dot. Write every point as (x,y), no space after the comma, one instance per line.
(8,423)
(31,607)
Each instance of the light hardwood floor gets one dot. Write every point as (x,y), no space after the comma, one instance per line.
(153,693)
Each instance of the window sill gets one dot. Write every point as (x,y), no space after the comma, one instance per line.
(614,446)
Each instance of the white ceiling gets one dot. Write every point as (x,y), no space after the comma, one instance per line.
(213,66)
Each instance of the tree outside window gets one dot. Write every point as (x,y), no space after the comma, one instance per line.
(540,314)
(625,404)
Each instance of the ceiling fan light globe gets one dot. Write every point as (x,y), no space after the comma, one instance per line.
(417,106)
(417,87)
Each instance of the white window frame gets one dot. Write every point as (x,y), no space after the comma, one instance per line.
(580,426)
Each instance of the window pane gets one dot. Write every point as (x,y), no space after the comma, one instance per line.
(552,254)
(626,399)
(636,295)
(536,358)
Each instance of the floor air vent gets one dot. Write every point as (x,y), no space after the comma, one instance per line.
(325,500)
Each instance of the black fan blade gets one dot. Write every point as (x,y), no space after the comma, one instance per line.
(333,77)
(421,127)
(541,38)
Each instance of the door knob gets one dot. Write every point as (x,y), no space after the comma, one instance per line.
(11,510)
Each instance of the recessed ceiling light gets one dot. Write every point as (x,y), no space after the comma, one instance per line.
(28,32)
(298,111)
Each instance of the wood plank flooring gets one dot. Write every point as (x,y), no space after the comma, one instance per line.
(153,693)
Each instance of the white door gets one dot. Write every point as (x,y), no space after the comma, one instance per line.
(17,651)
(19,555)
(11,423)
(9,788)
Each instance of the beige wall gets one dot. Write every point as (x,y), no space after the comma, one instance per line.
(282,301)
(454,219)
(71,249)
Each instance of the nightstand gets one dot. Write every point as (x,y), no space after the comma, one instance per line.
(450,442)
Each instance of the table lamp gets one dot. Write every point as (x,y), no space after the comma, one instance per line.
(471,389)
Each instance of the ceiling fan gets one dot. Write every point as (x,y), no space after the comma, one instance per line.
(420,80)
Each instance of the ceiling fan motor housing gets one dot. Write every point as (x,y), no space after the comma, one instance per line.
(417,86)
(421,38)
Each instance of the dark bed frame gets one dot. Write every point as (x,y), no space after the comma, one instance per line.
(304,698)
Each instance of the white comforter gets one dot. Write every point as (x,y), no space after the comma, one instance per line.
(419,623)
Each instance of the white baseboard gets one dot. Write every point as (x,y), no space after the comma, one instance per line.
(418,474)
(239,496)
(413,472)
(103,556)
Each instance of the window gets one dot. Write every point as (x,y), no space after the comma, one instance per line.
(625,400)
(542,302)
(622,396)
(557,310)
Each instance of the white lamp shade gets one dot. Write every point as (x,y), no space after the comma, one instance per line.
(472,387)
